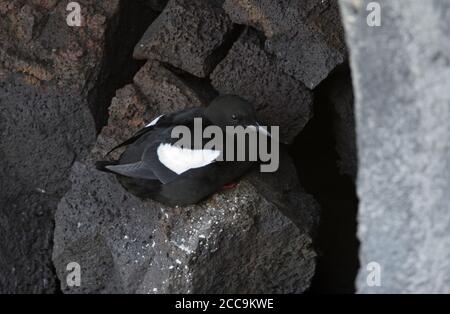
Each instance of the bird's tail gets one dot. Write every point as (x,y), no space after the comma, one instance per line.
(101,165)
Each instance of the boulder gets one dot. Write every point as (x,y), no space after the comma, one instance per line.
(50,79)
(172,90)
(400,76)
(188,34)
(37,42)
(280,99)
(306,36)
(43,131)
(235,242)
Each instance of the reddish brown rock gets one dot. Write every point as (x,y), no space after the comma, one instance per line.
(47,48)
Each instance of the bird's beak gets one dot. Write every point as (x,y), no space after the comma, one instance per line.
(260,129)
(263,130)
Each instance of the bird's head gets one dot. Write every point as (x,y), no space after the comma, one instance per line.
(230,110)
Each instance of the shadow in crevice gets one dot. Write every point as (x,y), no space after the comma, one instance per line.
(221,52)
(317,162)
(201,85)
(118,67)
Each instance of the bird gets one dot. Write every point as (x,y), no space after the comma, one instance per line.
(153,167)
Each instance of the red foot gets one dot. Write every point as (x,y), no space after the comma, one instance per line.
(228,186)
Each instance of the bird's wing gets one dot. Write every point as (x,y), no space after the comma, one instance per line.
(138,134)
(165,161)
(160,122)
(168,160)
(161,159)
(135,170)
(179,160)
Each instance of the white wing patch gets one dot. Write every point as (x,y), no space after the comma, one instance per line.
(154,121)
(180,160)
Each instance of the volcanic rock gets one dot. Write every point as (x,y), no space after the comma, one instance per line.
(280,99)
(306,36)
(237,241)
(188,34)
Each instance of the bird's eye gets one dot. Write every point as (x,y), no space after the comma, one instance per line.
(234,117)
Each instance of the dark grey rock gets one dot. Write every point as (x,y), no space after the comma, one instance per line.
(400,74)
(280,100)
(42,132)
(236,242)
(188,34)
(47,71)
(55,52)
(306,36)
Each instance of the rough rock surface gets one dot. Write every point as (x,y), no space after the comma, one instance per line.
(402,119)
(46,49)
(56,82)
(306,36)
(248,71)
(188,34)
(170,90)
(41,135)
(236,241)
(49,74)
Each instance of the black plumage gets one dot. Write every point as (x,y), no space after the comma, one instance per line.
(141,171)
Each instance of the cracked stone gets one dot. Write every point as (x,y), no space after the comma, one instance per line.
(280,100)
(187,34)
(306,36)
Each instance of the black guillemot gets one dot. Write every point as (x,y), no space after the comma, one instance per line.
(152,166)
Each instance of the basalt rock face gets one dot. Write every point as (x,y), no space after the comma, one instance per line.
(402,122)
(60,86)
(238,241)
(306,36)
(41,137)
(188,35)
(49,79)
(252,73)
(45,49)
(235,242)
(255,238)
